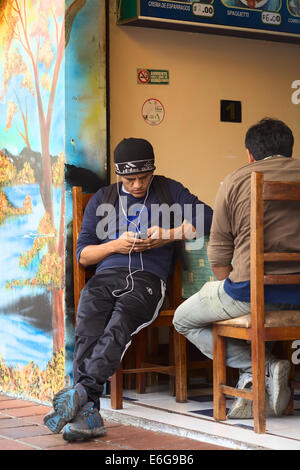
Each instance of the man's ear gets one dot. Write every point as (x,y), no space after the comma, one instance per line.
(251,159)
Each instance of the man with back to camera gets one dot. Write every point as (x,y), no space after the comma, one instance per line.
(269,146)
(133,250)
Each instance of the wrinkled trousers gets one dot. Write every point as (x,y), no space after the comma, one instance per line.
(106,324)
(194,318)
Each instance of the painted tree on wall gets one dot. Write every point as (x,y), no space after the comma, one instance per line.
(26,26)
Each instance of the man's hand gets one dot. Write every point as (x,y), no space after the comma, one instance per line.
(157,237)
(221,272)
(125,242)
(93,254)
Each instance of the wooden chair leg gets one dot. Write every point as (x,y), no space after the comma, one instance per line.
(180,367)
(128,362)
(116,390)
(288,350)
(141,350)
(172,388)
(153,338)
(259,384)
(209,373)
(290,407)
(219,375)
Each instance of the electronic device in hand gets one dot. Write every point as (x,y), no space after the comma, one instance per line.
(142,235)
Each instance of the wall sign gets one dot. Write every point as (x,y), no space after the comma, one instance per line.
(231,111)
(153,111)
(263,19)
(152,77)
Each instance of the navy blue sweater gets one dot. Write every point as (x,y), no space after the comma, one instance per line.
(157,260)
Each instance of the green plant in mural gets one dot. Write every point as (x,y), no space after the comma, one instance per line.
(9,175)
(50,270)
(8,170)
(8,210)
(46,232)
(35,33)
(33,382)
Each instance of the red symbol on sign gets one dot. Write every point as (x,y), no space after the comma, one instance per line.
(143,76)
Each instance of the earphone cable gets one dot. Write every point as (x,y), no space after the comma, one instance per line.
(131,273)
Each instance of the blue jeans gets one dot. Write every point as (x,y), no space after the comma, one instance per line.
(194,318)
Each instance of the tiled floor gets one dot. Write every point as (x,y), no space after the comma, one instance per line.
(150,421)
(157,410)
(22,428)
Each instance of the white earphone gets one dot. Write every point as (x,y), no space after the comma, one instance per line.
(130,275)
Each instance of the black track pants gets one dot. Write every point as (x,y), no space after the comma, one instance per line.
(105,324)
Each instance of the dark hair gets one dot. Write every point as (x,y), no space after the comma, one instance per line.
(269,137)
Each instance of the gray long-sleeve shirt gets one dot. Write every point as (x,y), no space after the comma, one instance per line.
(230,231)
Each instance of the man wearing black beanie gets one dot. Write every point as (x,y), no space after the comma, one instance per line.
(133,156)
(126,233)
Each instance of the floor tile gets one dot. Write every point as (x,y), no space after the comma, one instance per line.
(4,415)
(91,445)
(43,442)
(111,424)
(139,439)
(201,398)
(9,444)
(208,412)
(18,432)
(12,423)
(36,419)
(29,411)
(8,404)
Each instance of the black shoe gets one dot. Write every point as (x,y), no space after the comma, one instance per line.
(54,421)
(88,424)
(66,404)
(68,401)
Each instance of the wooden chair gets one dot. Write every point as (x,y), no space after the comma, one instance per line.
(260,326)
(177,353)
(177,368)
(80,274)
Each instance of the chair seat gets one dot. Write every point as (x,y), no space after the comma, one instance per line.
(273,319)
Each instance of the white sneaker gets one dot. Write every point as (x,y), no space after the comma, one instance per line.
(242,408)
(277,385)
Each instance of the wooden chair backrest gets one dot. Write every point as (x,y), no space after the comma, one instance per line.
(80,274)
(267,191)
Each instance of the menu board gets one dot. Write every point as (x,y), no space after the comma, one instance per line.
(278,19)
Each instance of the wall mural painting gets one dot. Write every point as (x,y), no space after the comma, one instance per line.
(32,199)
(85,129)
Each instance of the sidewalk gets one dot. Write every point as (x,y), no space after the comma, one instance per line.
(22,428)
(156,410)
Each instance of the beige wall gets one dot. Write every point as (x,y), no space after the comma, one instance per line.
(191,144)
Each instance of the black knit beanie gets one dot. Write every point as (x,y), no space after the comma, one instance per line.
(133,156)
